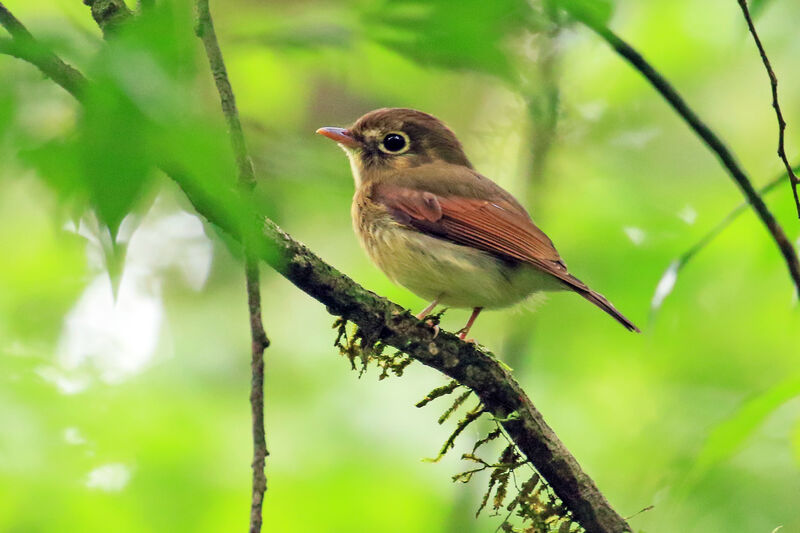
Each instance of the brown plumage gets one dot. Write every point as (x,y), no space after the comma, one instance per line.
(435,225)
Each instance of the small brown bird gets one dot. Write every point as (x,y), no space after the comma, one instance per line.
(439,228)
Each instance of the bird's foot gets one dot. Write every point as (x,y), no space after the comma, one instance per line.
(462,334)
(435,327)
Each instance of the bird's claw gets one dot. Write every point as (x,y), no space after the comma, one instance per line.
(434,326)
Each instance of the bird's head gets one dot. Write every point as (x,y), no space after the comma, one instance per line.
(392,139)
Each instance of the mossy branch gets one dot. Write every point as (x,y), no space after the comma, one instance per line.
(110,15)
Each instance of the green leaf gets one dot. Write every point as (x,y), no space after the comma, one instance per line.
(116,164)
(459,34)
(58,164)
(139,88)
(729,436)
(757,7)
(7,106)
(593,13)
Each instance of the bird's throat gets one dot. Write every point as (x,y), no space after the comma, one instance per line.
(355,166)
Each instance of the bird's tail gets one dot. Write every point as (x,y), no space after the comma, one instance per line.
(600,301)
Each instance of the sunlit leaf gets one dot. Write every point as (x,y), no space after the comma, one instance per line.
(665,285)
(461,34)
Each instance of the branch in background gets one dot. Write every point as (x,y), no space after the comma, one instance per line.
(109,14)
(260,342)
(22,45)
(205,30)
(773,81)
(670,276)
(387,322)
(711,140)
(13,25)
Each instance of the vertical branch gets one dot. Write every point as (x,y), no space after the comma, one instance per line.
(260,342)
(205,30)
(773,81)
(246,173)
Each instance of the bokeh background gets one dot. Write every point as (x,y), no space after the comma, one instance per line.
(124,368)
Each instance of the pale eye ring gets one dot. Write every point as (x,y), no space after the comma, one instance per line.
(395,142)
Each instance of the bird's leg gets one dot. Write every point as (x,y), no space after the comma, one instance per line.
(462,333)
(425,312)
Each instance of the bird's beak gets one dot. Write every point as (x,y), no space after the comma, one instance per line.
(340,135)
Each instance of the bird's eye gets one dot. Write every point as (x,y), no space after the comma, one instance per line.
(394,143)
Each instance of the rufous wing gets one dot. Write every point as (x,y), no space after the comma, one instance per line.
(498,226)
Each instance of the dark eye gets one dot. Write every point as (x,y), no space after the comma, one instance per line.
(393,142)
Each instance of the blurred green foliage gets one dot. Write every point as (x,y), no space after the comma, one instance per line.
(450,33)
(129,407)
(591,12)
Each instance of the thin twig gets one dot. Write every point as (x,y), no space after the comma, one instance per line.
(773,81)
(12,24)
(260,342)
(22,45)
(682,260)
(726,221)
(247,179)
(205,30)
(711,140)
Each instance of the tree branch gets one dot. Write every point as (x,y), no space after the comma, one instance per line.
(711,140)
(23,46)
(387,322)
(109,14)
(773,81)
(13,25)
(246,177)
(475,368)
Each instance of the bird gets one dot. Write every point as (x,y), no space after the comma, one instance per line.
(438,227)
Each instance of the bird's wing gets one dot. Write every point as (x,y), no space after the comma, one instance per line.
(499,226)
(496,226)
